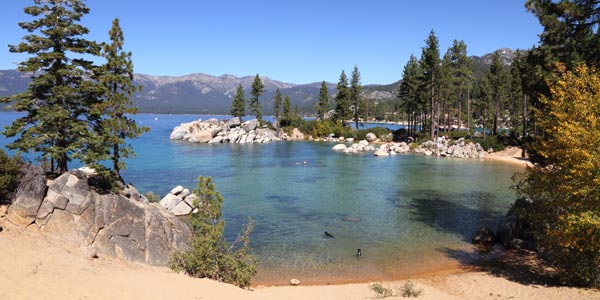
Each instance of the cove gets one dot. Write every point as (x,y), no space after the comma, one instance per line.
(408,214)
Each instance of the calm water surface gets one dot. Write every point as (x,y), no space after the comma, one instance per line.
(408,213)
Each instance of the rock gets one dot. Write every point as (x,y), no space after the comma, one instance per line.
(216,140)
(212,122)
(350,140)
(181,209)
(169,201)
(29,196)
(370,137)
(297,135)
(108,224)
(203,136)
(233,122)
(176,190)
(381,152)
(339,147)
(514,231)
(180,131)
(483,237)
(88,171)
(132,192)
(184,193)
(250,125)
(294,281)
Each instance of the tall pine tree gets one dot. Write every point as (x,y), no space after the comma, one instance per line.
(258,88)
(355,89)
(323,105)
(408,93)
(116,125)
(238,106)
(277,104)
(430,63)
(60,96)
(342,99)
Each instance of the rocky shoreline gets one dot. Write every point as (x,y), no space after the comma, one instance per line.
(442,147)
(233,131)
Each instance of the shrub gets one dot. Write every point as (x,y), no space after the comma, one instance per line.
(381,291)
(152,197)
(10,175)
(409,290)
(210,255)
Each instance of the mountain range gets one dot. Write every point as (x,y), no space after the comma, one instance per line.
(200,93)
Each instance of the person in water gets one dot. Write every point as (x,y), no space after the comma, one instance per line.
(327,234)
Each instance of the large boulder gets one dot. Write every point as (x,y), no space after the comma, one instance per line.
(233,122)
(110,224)
(370,137)
(250,125)
(29,196)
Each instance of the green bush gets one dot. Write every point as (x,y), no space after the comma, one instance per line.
(10,175)
(381,291)
(494,142)
(210,255)
(409,290)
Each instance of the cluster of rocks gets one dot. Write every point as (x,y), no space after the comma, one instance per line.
(364,146)
(513,232)
(231,131)
(179,201)
(122,225)
(458,149)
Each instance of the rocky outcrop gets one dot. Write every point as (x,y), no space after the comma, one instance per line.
(457,149)
(179,201)
(109,224)
(484,237)
(213,131)
(386,149)
(514,230)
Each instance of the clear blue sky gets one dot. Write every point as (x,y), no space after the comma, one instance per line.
(292,41)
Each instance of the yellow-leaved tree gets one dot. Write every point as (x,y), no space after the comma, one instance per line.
(565,191)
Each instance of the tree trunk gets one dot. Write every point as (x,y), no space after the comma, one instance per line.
(459,113)
(524,125)
(469,108)
(432,117)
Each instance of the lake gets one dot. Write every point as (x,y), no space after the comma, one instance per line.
(408,214)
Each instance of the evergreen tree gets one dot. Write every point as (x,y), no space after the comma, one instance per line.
(355,89)
(430,63)
(286,118)
(277,104)
(258,88)
(408,93)
(461,74)
(499,83)
(323,105)
(116,125)
(211,256)
(238,106)
(342,99)
(60,96)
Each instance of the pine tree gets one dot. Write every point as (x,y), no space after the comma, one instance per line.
(258,88)
(498,80)
(342,99)
(355,89)
(430,63)
(461,74)
(210,255)
(238,106)
(60,96)
(286,117)
(116,125)
(408,93)
(323,105)
(277,104)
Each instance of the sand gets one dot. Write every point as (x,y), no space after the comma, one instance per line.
(36,266)
(510,155)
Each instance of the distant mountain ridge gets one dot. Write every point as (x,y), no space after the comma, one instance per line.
(201,93)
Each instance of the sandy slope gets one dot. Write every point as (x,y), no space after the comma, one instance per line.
(510,155)
(34,266)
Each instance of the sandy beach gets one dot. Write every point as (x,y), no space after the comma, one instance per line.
(36,266)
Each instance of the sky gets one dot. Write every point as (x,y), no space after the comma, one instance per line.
(290,41)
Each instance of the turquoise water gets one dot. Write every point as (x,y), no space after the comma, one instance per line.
(405,212)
